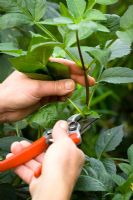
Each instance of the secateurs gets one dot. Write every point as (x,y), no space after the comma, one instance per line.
(77,126)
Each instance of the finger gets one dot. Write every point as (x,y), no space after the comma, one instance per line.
(18,147)
(60,130)
(23,172)
(81,80)
(13,116)
(74,69)
(53,88)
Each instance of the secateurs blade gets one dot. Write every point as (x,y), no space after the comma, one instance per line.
(77,125)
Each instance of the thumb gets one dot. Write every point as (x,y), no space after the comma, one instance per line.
(54,88)
(60,130)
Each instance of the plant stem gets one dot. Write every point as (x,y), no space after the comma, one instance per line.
(77,108)
(120,159)
(46,31)
(84,69)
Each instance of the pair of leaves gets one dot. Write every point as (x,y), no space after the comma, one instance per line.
(25,13)
(97,177)
(126,24)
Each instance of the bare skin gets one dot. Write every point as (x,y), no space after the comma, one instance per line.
(62,165)
(20,95)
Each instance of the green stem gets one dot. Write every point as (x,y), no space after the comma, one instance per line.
(120,159)
(45,30)
(77,108)
(95,87)
(84,69)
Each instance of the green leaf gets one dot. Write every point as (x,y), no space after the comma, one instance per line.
(109,165)
(126,36)
(11,20)
(101,172)
(5,142)
(57,21)
(10,49)
(64,11)
(126,21)
(109,140)
(102,56)
(94,15)
(119,180)
(112,22)
(87,183)
(36,8)
(106,2)
(119,49)
(126,168)
(47,116)
(91,4)
(76,8)
(130,155)
(126,187)
(117,75)
(125,196)
(58,71)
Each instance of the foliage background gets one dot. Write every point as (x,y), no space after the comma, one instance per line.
(117,107)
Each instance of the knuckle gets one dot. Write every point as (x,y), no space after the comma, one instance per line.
(58,87)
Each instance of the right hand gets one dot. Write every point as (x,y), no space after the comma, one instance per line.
(62,165)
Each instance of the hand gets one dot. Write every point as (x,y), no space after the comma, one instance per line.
(20,95)
(62,165)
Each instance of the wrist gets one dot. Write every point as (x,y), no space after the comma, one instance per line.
(52,188)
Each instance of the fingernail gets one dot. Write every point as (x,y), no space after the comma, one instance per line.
(63,124)
(69,85)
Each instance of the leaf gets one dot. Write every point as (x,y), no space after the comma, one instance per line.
(101,172)
(76,8)
(130,155)
(58,71)
(101,55)
(126,21)
(11,20)
(109,166)
(49,114)
(119,49)
(35,61)
(106,2)
(119,180)
(126,187)
(87,183)
(126,36)
(5,142)
(10,49)
(109,140)
(126,168)
(125,196)
(126,24)
(36,8)
(91,4)
(64,11)
(95,15)
(117,75)
(57,21)
(112,22)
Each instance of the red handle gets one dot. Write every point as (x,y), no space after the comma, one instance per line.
(25,155)
(31,152)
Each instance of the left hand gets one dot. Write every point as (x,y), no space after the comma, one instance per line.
(20,95)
